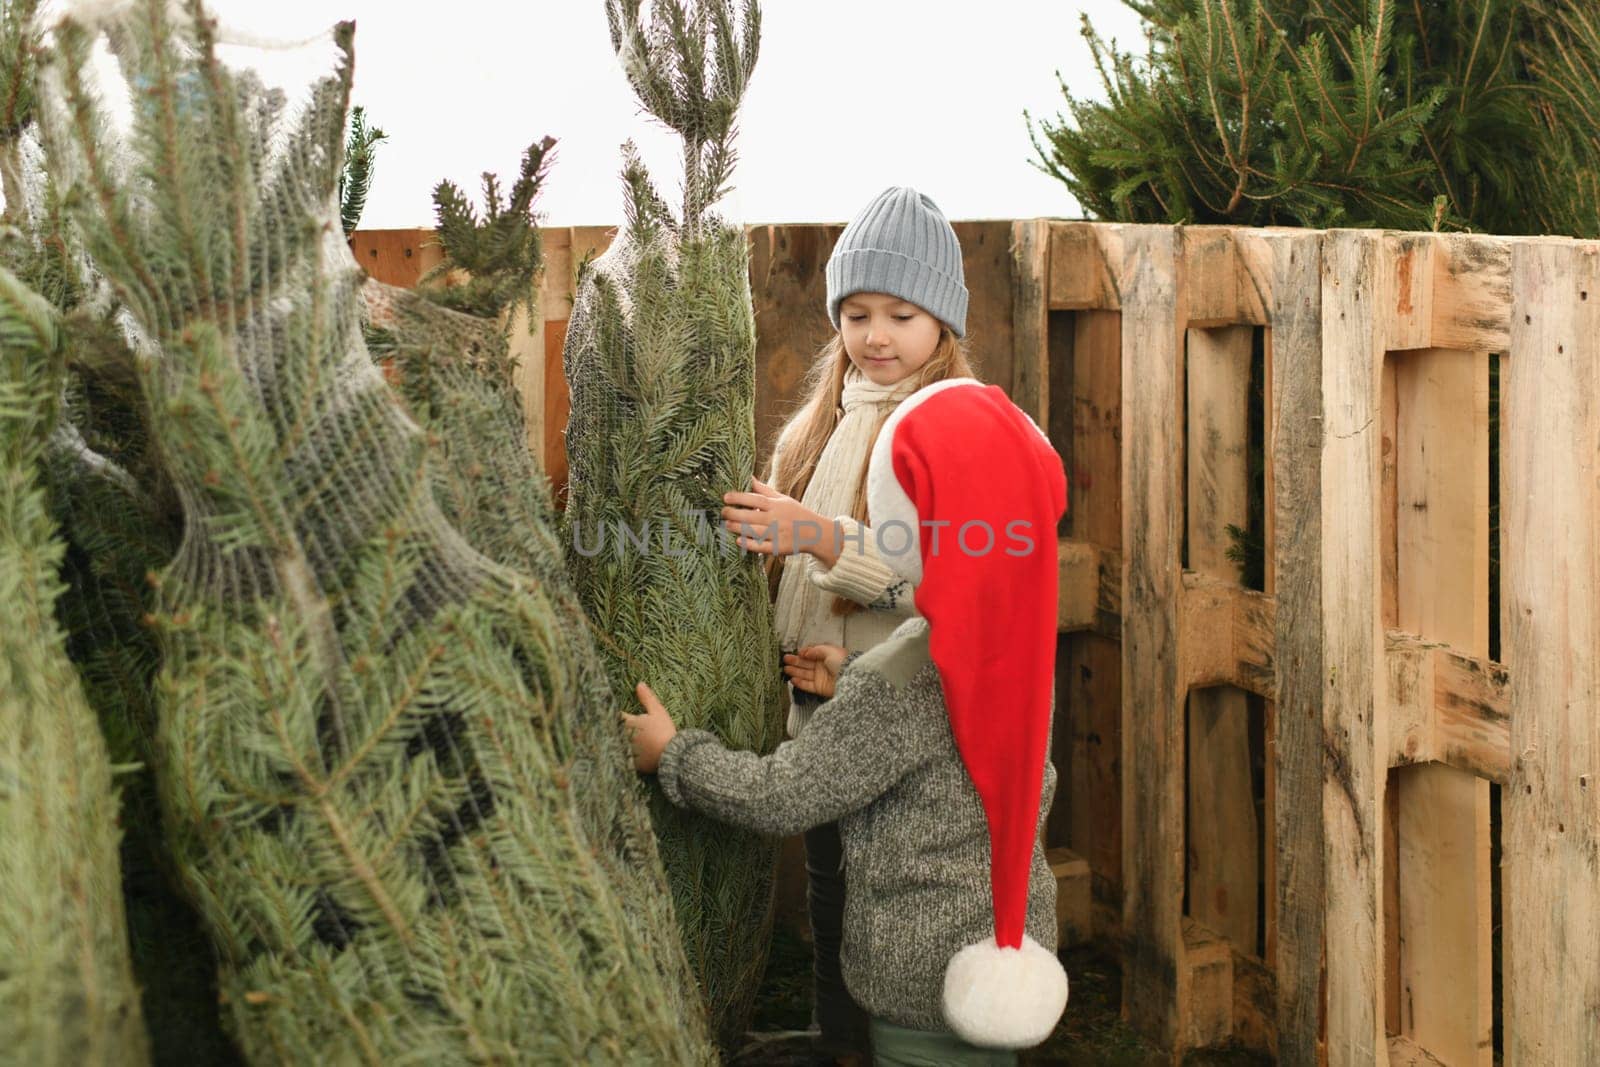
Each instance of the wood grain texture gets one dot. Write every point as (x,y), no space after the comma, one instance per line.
(1294,427)
(1223,851)
(1228,636)
(1154,993)
(1074,923)
(1550,618)
(1354,699)
(1447,707)
(1091,663)
(1472,293)
(1444,973)
(1085,264)
(1030,317)
(396,257)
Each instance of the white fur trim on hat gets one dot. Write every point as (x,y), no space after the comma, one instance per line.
(1004,997)
(887,502)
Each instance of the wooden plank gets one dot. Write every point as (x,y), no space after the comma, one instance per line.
(789,289)
(1447,707)
(1218,427)
(1550,630)
(1073,896)
(1472,293)
(1085,259)
(527,374)
(1354,712)
(1223,848)
(1446,977)
(1210,264)
(1223,852)
(986,261)
(557,406)
(1442,521)
(1030,370)
(1472,715)
(1207,985)
(1257,261)
(1154,999)
(1388,530)
(1403,1052)
(1092,664)
(1408,264)
(1412,682)
(1228,634)
(1294,429)
(396,257)
(1079,599)
(1091,592)
(1256,266)
(1255,994)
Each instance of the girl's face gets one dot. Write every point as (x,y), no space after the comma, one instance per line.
(888,339)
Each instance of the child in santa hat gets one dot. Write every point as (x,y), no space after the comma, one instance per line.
(932,754)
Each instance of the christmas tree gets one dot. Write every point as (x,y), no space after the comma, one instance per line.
(364,738)
(454,370)
(660,358)
(111,528)
(67,994)
(1323,113)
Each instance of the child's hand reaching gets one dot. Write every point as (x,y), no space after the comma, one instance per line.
(648,733)
(773,524)
(815,668)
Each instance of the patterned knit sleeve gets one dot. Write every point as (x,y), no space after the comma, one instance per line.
(862,574)
(857,746)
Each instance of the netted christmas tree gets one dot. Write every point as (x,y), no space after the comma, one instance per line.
(660,360)
(112,522)
(67,994)
(453,368)
(365,740)
(1427,115)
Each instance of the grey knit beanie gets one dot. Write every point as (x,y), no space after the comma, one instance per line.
(900,244)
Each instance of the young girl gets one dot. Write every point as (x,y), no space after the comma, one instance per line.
(897,296)
(932,752)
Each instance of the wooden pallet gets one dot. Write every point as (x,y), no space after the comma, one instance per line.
(1387,720)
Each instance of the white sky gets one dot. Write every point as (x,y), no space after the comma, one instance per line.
(848,96)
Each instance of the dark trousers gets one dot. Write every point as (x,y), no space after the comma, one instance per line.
(842,1021)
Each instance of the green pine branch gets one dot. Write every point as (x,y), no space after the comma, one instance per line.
(360,153)
(1427,115)
(67,991)
(501,252)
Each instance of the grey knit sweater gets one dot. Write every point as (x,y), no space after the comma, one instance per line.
(880,758)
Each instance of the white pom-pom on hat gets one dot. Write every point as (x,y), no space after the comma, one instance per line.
(1004,997)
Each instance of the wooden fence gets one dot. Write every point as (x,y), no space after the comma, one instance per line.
(1337,900)
(1277,798)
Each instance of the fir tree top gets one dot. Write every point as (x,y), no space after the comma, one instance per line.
(1421,115)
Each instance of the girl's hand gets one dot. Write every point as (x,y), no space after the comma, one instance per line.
(648,733)
(768,522)
(815,668)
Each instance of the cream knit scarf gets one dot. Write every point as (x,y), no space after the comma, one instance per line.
(803,612)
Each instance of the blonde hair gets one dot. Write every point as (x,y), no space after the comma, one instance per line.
(819,414)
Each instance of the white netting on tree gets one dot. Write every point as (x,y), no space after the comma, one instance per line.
(67,994)
(369,757)
(660,360)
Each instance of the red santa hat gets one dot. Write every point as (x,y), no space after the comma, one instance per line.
(969,481)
